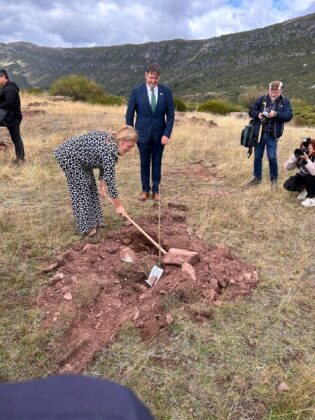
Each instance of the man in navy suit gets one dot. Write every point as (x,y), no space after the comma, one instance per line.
(154,106)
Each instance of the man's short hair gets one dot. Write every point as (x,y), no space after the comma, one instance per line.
(154,68)
(276,85)
(4,73)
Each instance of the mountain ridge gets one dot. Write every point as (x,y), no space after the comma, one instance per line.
(195,69)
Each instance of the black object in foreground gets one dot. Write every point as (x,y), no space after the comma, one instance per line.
(68,397)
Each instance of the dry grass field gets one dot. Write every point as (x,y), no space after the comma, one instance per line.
(227,367)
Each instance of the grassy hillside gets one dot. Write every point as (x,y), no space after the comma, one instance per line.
(228,365)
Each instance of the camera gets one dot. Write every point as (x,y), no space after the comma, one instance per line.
(265,112)
(304,148)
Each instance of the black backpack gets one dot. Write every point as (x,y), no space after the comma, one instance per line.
(247,137)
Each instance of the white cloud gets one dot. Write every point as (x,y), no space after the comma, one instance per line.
(100,22)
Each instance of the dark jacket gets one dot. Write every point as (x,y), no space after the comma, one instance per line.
(283,109)
(149,125)
(10,101)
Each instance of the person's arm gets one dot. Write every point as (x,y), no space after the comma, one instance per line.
(131,109)
(170,117)
(10,95)
(310,166)
(291,163)
(284,113)
(119,207)
(256,108)
(108,179)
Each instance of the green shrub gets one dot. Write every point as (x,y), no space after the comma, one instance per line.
(109,100)
(83,89)
(180,105)
(77,87)
(303,114)
(249,95)
(216,106)
(35,90)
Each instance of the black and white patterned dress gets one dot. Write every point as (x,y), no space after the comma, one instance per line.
(78,157)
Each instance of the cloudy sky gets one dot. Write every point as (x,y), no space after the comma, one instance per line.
(75,23)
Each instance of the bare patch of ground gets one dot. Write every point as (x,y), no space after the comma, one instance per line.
(92,293)
(197,170)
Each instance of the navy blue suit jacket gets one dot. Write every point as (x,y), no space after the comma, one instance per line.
(149,125)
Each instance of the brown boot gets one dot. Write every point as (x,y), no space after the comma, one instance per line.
(156,197)
(144,196)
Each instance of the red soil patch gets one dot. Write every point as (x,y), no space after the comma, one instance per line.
(197,170)
(97,293)
(33,113)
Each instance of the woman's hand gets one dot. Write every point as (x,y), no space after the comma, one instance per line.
(102,188)
(305,157)
(120,210)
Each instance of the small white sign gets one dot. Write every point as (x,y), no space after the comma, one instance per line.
(154,276)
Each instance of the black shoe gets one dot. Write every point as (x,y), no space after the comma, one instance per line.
(253,181)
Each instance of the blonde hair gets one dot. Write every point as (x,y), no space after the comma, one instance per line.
(126,133)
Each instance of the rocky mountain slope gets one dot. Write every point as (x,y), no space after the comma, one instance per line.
(195,70)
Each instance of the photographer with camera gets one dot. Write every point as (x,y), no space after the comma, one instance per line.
(269,112)
(303,159)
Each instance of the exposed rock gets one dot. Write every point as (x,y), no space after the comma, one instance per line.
(239,114)
(169,319)
(67,296)
(177,256)
(283,387)
(56,279)
(189,269)
(127,255)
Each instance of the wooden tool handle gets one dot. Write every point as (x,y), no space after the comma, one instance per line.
(146,235)
(142,231)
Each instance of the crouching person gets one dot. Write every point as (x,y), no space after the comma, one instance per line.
(304,181)
(78,157)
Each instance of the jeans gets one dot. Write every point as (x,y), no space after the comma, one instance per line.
(150,152)
(14,131)
(271,144)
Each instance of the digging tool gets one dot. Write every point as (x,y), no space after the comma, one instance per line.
(146,235)
(142,231)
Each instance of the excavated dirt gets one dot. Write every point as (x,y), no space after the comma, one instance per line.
(91,293)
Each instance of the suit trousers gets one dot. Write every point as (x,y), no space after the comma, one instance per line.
(151,152)
(15,135)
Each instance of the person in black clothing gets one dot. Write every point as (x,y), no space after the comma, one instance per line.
(269,113)
(11,103)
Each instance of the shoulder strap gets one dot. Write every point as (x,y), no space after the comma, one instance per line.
(264,102)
